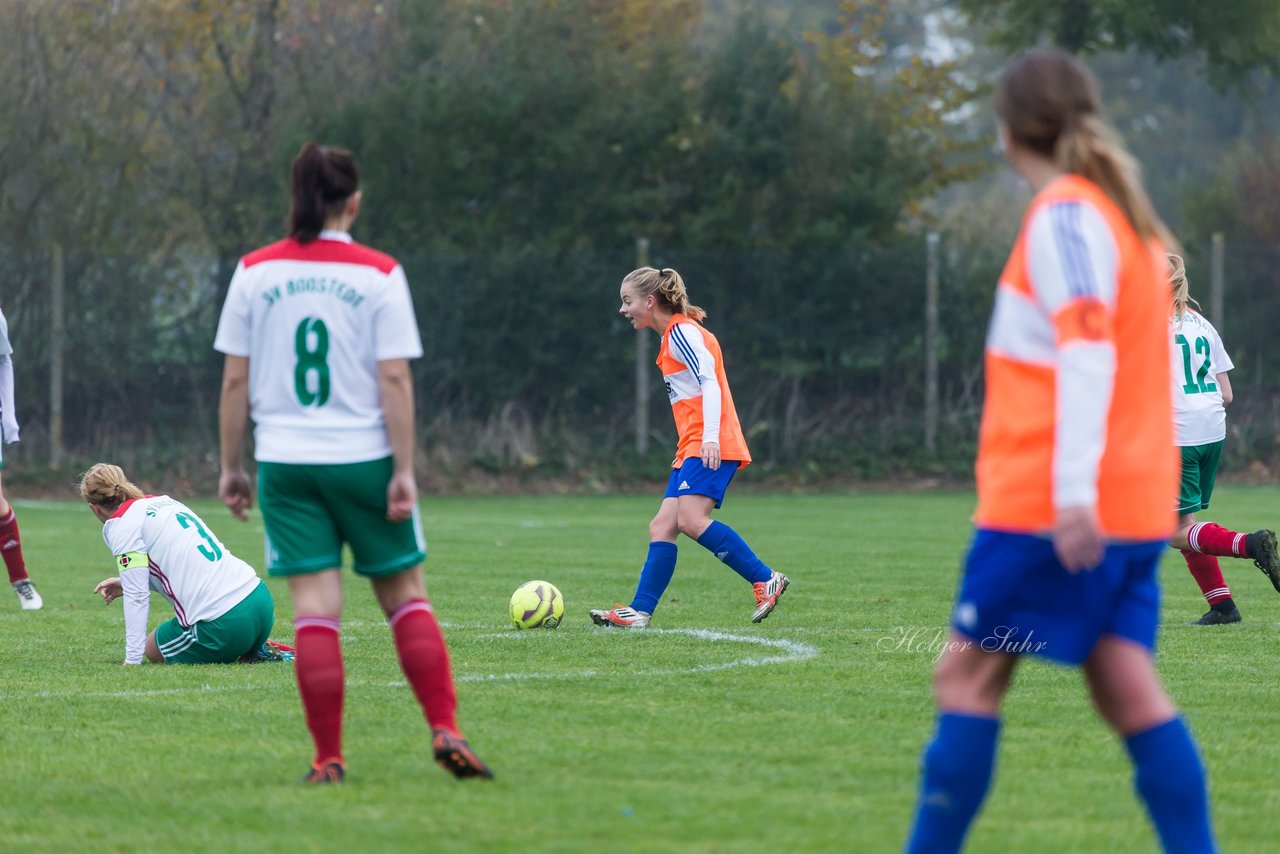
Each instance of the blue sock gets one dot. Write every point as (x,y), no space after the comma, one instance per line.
(724,542)
(656,574)
(956,774)
(1170,780)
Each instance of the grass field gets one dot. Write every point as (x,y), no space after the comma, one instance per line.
(709,734)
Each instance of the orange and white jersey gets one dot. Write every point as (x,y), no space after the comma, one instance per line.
(1199,416)
(693,370)
(1078,409)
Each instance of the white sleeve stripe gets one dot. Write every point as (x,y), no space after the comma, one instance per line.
(1065,217)
(677,338)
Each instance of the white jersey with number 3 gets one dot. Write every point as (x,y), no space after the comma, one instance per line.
(1198,357)
(160,544)
(314,320)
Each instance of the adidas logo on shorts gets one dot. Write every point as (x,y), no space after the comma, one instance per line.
(684,484)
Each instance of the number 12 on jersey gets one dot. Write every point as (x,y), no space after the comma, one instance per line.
(1195,383)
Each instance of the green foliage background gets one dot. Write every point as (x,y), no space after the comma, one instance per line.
(788,158)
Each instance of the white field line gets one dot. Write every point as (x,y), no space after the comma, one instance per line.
(792,651)
(788,652)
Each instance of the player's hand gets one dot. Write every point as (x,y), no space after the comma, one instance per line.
(711,455)
(235,492)
(110,589)
(402,495)
(1077,540)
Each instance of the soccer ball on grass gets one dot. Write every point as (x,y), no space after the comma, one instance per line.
(537,605)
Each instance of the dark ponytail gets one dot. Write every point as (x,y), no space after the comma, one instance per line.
(321,181)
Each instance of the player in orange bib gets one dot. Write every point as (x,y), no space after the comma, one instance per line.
(1076,468)
(710,452)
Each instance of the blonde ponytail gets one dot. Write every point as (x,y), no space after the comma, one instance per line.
(106,485)
(667,286)
(1181,287)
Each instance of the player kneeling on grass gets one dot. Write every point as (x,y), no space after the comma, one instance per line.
(224,610)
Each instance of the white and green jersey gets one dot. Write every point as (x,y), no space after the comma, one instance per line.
(8,415)
(160,544)
(314,320)
(1198,357)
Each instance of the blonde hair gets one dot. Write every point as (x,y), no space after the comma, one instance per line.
(1181,287)
(668,287)
(105,485)
(1049,102)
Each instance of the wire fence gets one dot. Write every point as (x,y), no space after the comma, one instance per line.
(528,367)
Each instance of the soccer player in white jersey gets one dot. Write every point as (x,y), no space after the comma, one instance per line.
(318,332)
(10,540)
(1201,393)
(223,610)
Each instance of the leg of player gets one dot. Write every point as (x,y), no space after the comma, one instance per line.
(1213,539)
(424,658)
(11,551)
(317,604)
(1207,573)
(1168,774)
(655,575)
(153,649)
(726,544)
(969,684)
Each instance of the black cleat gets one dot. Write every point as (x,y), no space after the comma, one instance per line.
(325,772)
(1220,615)
(454,755)
(1261,546)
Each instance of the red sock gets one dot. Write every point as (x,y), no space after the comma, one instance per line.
(321,681)
(11,547)
(1210,539)
(425,661)
(1207,573)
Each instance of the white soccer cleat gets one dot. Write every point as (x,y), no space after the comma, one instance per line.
(767,595)
(622,617)
(27,595)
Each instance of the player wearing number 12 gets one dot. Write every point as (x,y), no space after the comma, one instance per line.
(318,332)
(1201,393)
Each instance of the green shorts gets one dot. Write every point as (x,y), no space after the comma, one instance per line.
(227,639)
(310,511)
(1199,471)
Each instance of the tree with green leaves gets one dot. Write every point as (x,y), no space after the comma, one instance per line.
(1234,38)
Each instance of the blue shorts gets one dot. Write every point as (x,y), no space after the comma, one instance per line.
(693,478)
(1015,597)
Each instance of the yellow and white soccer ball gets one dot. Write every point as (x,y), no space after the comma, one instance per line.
(537,605)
